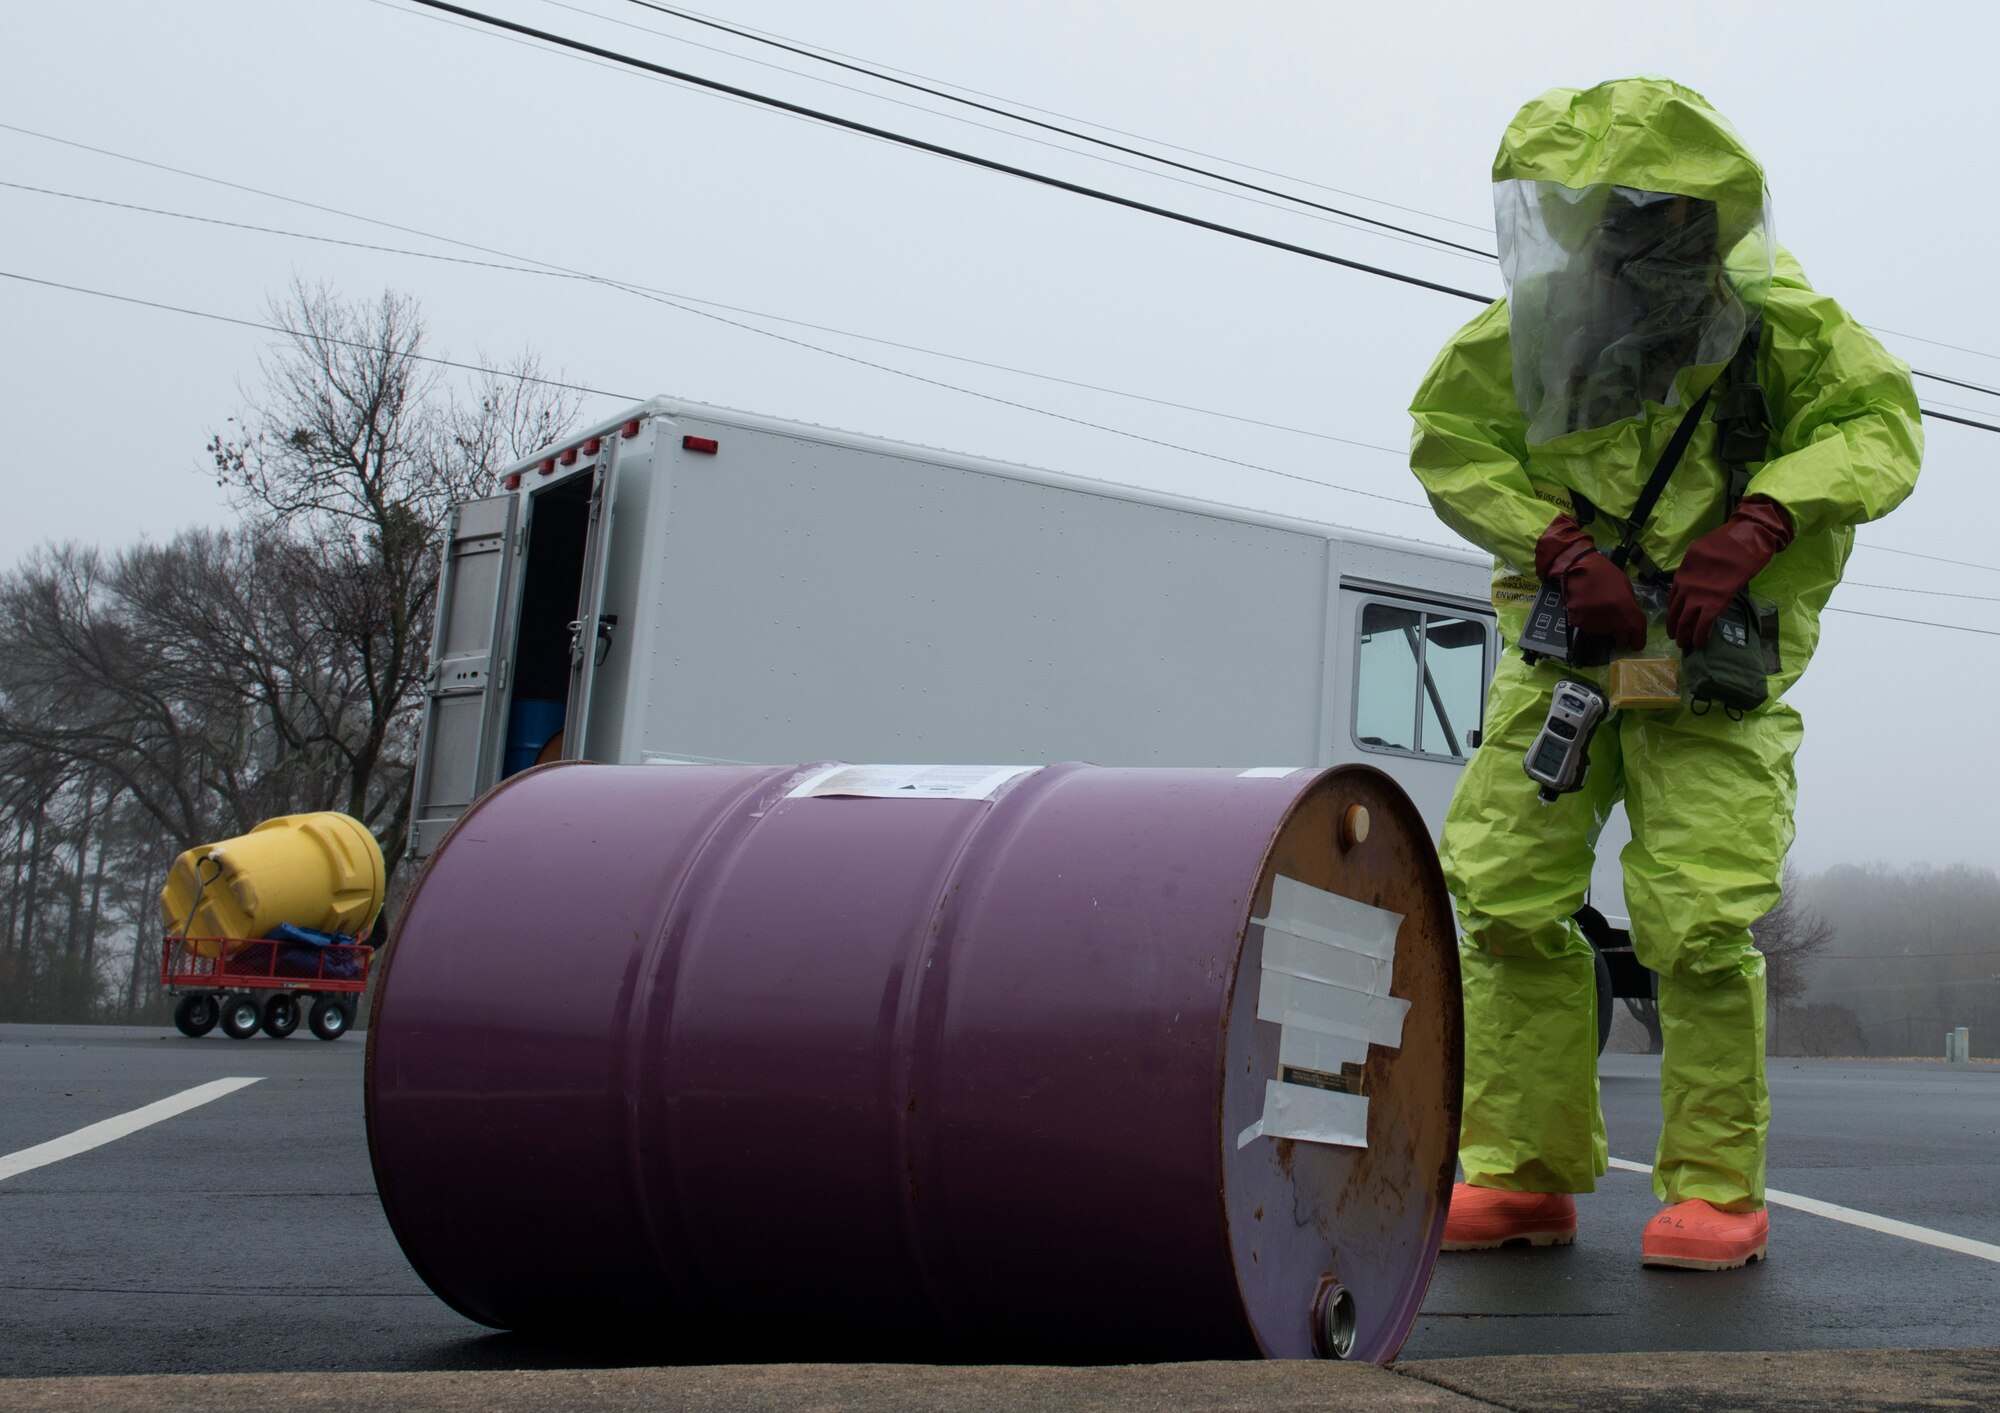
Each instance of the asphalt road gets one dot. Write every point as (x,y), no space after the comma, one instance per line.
(244,1235)
(1914,1141)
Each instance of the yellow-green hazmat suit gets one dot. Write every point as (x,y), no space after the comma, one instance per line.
(1509,435)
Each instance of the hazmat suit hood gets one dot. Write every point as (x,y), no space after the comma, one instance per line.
(1635,239)
(1490,447)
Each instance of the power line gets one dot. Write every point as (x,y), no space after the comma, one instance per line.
(637,288)
(669,298)
(1962,421)
(818,50)
(1939,378)
(1925,622)
(344,343)
(643,291)
(470,245)
(1937,343)
(1934,558)
(918,377)
(858,68)
(940,150)
(821,52)
(1957,407)
(971,159)
(822,55)
(800,343)
(1387,231)
(1934,593)
(270,195)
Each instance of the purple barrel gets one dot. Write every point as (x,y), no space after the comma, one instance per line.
(1067,1062)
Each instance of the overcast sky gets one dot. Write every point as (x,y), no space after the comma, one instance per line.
(1874,123)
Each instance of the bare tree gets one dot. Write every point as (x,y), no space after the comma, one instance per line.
(356,450)
(1918,953)
(180,692)
(1789,936)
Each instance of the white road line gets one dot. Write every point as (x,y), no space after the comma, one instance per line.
(1889,1226)
(107,1130)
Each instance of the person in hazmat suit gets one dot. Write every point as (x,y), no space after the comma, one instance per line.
(1637,248)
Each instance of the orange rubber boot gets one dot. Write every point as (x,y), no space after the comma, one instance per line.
(1485,1217)
(1695,1236)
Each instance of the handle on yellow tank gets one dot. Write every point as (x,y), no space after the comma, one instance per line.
(201,886)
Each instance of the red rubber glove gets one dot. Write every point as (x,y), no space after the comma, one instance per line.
(1595,591)
(1720,565)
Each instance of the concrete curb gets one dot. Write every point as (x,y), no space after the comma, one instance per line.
(1799,1381)
(1633,1383)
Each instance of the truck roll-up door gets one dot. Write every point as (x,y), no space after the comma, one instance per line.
(463,694)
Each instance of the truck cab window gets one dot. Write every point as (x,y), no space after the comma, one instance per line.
(1385,669)
(1419,680)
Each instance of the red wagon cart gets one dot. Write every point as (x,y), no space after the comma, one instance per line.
(251,984)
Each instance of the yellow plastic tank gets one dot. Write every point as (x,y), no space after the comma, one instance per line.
(322,871)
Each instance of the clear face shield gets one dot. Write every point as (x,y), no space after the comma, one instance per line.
(1613,291)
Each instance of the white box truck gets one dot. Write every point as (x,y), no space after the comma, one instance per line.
(686,583)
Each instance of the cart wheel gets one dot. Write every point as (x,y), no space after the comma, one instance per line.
(330,1018)
(281,1014)
(197,1014)
(241,1017)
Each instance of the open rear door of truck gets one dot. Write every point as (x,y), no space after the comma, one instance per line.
(593,632)
(464,693)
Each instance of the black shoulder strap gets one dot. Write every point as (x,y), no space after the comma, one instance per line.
(1657,482)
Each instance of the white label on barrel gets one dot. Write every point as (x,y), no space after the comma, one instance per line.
(1311,1115)
(1328,962)
(910,782)
(1269,772)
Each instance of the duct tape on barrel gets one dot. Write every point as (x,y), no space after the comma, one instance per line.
(1328,964)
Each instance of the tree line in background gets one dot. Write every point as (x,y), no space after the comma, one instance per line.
(1916,953)
(171,694)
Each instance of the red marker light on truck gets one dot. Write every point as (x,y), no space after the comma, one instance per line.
(568,458)
(590,447)
(707,444)
(511,483)
(548,467)
(631,429)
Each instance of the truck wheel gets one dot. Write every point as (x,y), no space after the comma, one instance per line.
(330,1018)
(241,1017)
(1600,934)
(196,1015)
(281,1014)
